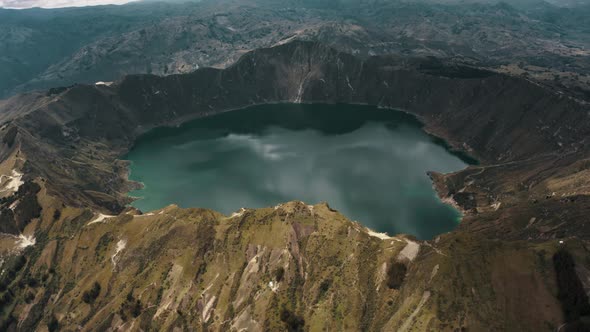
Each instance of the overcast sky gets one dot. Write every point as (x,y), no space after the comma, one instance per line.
(57,3)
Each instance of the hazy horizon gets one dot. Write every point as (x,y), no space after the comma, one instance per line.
(25,4)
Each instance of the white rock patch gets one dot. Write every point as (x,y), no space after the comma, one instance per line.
(144,215)
(496,206)
(25,241)
(348,83)
(410,251)
(206,315)
(433,273)
(381,275)
(382,236)
(100,218)
(120,246)
(14,181)
(13,205)
(274,286)
(238,214)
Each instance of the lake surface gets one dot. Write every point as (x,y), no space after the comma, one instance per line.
(368,163)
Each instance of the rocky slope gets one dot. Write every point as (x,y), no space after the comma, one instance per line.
(77,258)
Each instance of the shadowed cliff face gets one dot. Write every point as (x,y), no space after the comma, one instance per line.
(531,188)
(500,118)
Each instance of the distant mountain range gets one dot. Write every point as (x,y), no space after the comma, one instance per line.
(22,4)
(59,47)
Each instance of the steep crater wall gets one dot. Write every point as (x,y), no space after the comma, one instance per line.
(73,137)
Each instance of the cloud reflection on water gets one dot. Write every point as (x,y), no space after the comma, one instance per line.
(373,174)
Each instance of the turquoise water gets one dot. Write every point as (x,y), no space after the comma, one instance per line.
(368,163)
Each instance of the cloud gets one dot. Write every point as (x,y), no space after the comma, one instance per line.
(21,4)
